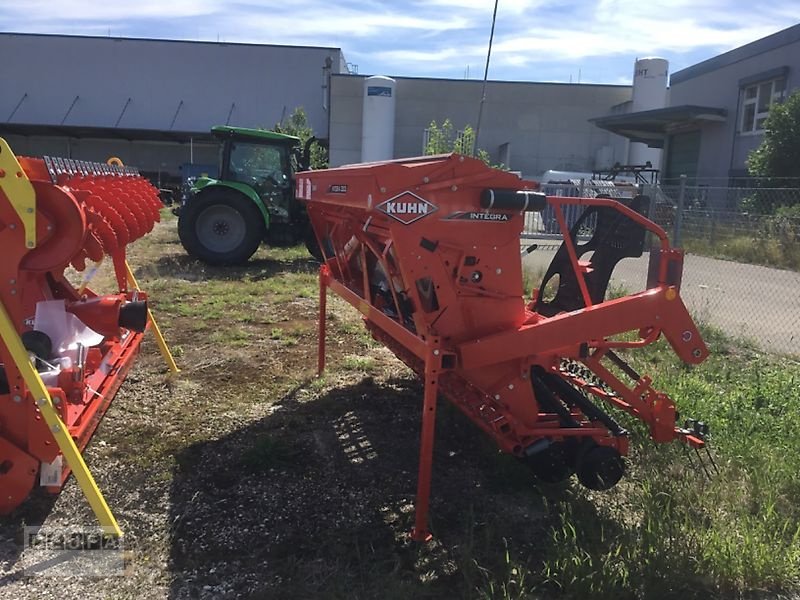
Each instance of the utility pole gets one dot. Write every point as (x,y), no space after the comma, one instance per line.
(485,77)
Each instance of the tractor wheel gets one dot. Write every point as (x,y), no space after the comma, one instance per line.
(311,243)
(221,227)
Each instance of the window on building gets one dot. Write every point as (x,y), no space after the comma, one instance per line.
(756,100)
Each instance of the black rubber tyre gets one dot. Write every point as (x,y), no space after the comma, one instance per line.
(600,468)
(221,226)
(311,243)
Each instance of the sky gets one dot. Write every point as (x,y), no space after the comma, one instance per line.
(535,40)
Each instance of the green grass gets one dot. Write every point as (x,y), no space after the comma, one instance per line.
(355,328)
(757,250)
(669,531)
(289,286)
(215,299)
(231,336)
(354,362)
(509,580)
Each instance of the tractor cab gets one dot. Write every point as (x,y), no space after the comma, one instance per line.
(261,160)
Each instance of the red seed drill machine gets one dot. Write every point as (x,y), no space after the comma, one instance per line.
(428,250)
(64,350)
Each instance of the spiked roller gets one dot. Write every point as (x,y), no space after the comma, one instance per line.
(55,213)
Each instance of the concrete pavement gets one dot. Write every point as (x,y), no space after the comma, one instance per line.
(757,303)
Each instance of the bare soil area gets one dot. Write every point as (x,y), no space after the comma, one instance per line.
(245,476)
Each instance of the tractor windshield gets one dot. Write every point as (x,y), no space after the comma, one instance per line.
(259,165)
(266,169)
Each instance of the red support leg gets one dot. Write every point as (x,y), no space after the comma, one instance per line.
(323,297)
(432,366)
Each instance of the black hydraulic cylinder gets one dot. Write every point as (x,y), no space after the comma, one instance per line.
(548,401)
(133,315)
(522,200)
(574,398)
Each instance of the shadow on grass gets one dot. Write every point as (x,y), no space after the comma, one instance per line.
(316,501)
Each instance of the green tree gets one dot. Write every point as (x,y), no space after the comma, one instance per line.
(443,139)
(779,153)
(439,138)
(297,125)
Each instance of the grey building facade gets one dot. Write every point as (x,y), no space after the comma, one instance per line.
(529,127)
(152,102)
(716,109)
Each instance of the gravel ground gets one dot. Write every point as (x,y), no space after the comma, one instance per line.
(244,476)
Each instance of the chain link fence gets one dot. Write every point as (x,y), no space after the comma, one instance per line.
(752,225)
(742,265)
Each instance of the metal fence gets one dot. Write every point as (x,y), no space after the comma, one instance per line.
(742,265)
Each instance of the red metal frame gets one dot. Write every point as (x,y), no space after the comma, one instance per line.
(438,280)
(83,212)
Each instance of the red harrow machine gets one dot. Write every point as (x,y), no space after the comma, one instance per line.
(64,350)
(428,250)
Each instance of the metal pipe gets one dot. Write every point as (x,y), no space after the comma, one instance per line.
(69,110)
(13,112)
(124,108)
(676,236)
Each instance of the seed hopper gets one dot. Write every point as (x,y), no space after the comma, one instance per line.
(428,250)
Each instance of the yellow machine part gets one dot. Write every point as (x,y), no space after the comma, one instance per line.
(19,191)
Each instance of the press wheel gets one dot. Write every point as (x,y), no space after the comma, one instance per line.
(60,229)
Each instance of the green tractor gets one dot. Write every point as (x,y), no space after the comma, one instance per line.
(223,221)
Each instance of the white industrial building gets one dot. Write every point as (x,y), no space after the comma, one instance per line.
(152,103)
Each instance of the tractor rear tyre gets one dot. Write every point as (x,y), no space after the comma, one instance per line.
(221,227)
(311,244)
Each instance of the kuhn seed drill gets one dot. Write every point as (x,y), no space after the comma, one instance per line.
(428,250)
(64,350)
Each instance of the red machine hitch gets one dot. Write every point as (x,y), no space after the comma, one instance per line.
(428,250)
(55,213)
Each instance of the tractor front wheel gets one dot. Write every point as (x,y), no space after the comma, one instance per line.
(221,227)
(311,244)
